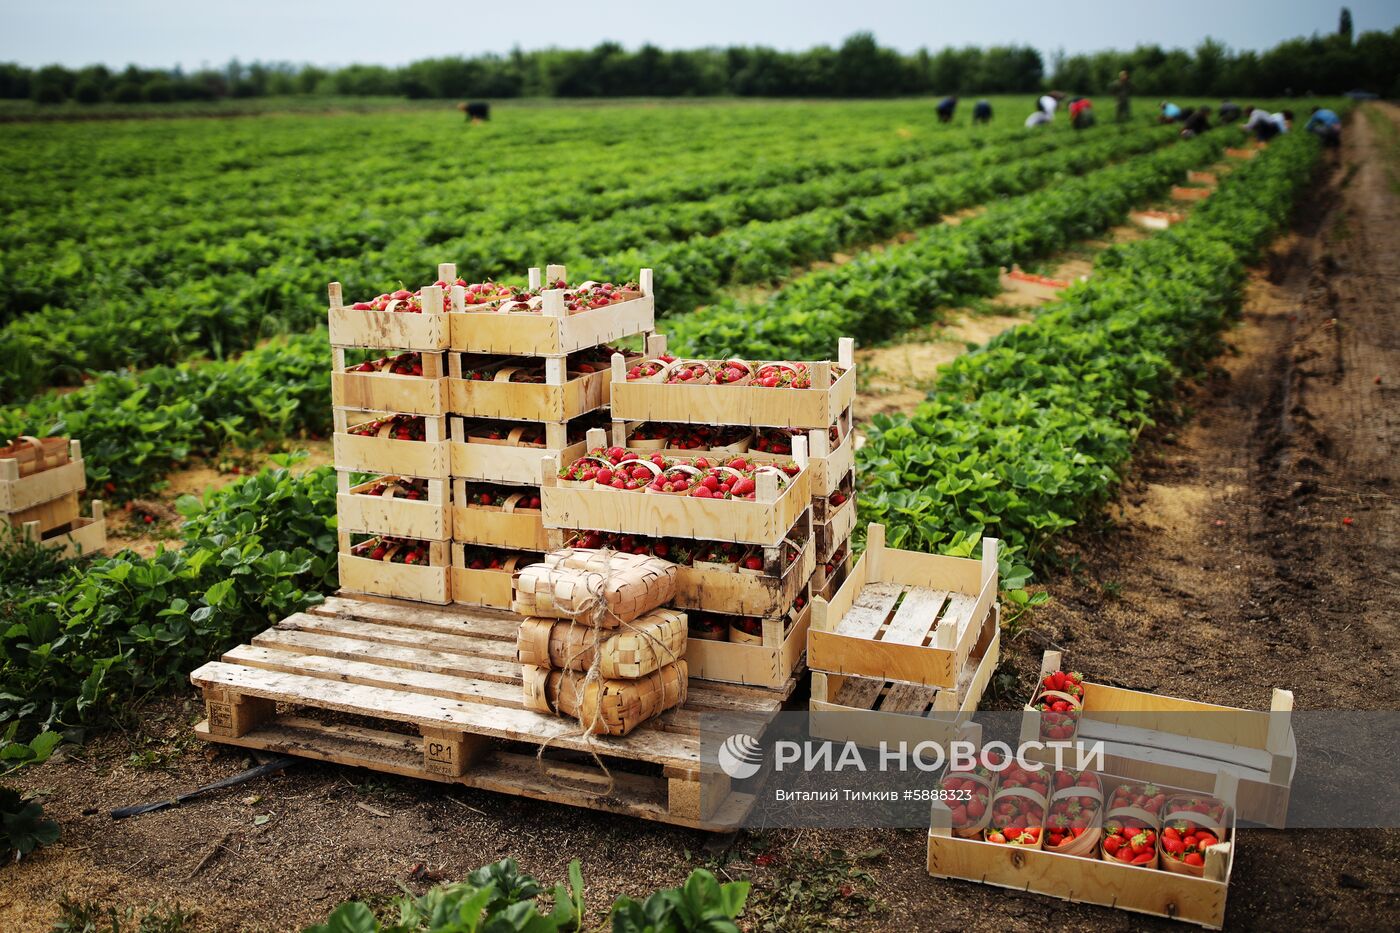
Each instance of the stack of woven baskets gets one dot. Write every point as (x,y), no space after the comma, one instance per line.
(594,645)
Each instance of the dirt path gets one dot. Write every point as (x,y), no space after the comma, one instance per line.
(1227,565)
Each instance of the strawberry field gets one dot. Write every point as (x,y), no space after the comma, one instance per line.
(162,298)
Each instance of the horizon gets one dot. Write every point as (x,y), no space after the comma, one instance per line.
(161,34)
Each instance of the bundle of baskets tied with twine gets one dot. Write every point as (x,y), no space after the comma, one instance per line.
(596,645)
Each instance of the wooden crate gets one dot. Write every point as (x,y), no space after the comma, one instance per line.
(1241,153)
(1187,193)
(82,537)
(1166,740)
(841,705)
(822,509)
(55,513)
(1202,178)
(747,594)
(836,530)
(817,407)
(409,395)
(502,463)
(426,583)
(770,664)
(22,487)
(553,331)
(558,398)
(486,588)
(1039,287)
(826,466)
(388,330)
(424,519)
(497,526)
(763,521)
(824,584)
(425,459)
(1155,220)
(942,604)
(443,689)
(1153,891)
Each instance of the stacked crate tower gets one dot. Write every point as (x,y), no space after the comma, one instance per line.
(41,486)
(749,569)
(453,417)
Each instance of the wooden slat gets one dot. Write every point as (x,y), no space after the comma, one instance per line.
(430,682)
(456,620)
(908,698)
(495,721)
(420,659)
(870,609)
(468,645)
(859,692)
(916,616)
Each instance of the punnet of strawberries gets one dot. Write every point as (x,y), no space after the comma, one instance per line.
(1185,839)
(1129,840)
(414,489)
(1058,717)
(709,627)
(648,368)
(401,428)
(729,372)
(404,364)
(484,496)
(480,558)
(776,440)
(1018,820)
(393,550)
(1071,815)
(749,625)
(689,371)
(1147,797)
(969,798)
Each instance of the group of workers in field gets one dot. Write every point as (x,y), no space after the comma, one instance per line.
(1194,120)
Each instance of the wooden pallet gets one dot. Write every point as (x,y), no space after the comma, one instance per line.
(443,687)
(905,616)
(841,705)
(1167,740)
(1091,880)
(817,407)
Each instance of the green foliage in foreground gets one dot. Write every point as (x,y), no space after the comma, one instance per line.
(1025,437)
(498,898)
(89,639)
(23,826)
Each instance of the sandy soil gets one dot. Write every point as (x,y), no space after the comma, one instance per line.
(1229,538)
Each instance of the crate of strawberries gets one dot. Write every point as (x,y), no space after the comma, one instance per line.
(405,382)
(483,576)
(719,499)
(402,568)
(781,393)
(530,389)
(496,515)
(399,444)
(402,319)
(401,506)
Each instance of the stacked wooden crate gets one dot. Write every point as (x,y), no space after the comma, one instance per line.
(41,486)
(445,428)
(392,425)
(501,430)
(907,633)
(748,619)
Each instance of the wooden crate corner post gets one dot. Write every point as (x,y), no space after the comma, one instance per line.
(695,795)
(1279,743)
(449,752)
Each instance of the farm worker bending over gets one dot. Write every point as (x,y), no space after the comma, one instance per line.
(1122,89)
(982,112)
(1170,112)
(1229,111)
(1326,124)
(945,108)
(1039,118)
(1196,122)
(1048,103)
(1265,125)
(1081,113)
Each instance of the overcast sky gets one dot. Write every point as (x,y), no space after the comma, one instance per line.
(192,33)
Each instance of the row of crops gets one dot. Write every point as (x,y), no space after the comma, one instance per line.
(137,427)
(1020,440)
(235,262)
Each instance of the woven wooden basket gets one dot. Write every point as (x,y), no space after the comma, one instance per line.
(36,454)
(611,707)
(648,644)
(570,583)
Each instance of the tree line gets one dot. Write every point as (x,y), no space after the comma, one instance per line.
(860,67)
